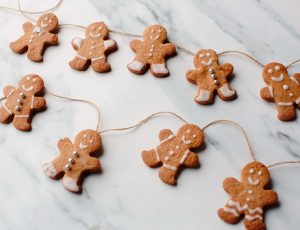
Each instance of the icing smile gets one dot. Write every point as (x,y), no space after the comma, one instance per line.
(207,63)
(278,78)
(155,37)
(27,89)
(187,142)
(44,24)
(82,146)
(253,182)
(97,35)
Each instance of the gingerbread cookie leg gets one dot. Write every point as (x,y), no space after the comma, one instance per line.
(229,214)
(254,224)
(19,46)
(168,174)
(191,160)
(6,116)
(35,53)
(286,111)
(100,65)
(159,70)
(71,181)
(79,63)
(204,96)
(22,122)
(137,67)
(151,158)
(226,93)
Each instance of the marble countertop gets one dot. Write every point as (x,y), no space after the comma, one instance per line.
(128,194)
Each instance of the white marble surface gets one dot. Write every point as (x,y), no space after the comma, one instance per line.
(127,194)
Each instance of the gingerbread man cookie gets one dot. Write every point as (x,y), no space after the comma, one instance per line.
(75,159)
(152,51)
(210,77)
(248,197)
(93,49)
(20,103)
(282,89)
(37,38)
(174,152)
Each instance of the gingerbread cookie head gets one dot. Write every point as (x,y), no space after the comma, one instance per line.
(255,174)
(97,30)
(191,135)
(88,141)
(48,22)
(32,83)
(274,72)
(205,58)
(155,33)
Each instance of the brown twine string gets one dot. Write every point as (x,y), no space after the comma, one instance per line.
(250,151)
(144,121)
(80,100)
(283,163)
(242,53)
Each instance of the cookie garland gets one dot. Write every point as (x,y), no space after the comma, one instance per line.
(249,197)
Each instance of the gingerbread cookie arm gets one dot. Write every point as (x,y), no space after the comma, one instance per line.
(228,69)
(168,174)
(39,103)
(169,49)
(231,185)
(110,45)
(77,43)
(269,198)
(164,134)
(64,144)
(193,75)
(8,90)
(296,78)
(267,93)
(92,165)
(27,27)
(151,158)
(191,160)
(51,39)
(135,45)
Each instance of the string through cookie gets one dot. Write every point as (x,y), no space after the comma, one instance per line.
(144,121)
(250,151)
(79,100)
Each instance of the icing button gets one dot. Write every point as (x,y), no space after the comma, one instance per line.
(167,158)
(68,167)
(216,82)
(285,87)
(291,94)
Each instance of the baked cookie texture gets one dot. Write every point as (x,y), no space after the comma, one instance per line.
(22,102)
(152,51)
(174,152)
(282,89)
(75,160)
(93,49)
(210,77)
(248,197)
(37,37)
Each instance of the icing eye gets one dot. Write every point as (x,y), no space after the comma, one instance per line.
(277,67)
(201,55)
(251,171)
(50,21)
(152,30)
(259,173)
(91,141)
(46,18)
(84,135)
(208,54)
(188,131)
(100,28)
(93,27)
(27,78)
(159,30)
(270,70)
(194,136)
(34,80)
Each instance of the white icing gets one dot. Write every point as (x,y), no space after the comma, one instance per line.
(44,24)
(251,218)
(97,35)
(297,101)
(167,158)
(11,92)
(291,94)
(22,116)
(7,109)
(278,79)
(271,91)
(251,171)
(226,91)
(108,43)
(77,42)
(207,63)
(49,169)
(98,58)
(231,210)
(245,207)
(253,182)
(177,147)
(36,30)
(295,80)
(187,142)
(201,55)
(285,103)
(171,153)
(167,139)
(285,87)
(82,146)
(154,38)
(159,68)
(208,54)
(250,191)
(81,57)
(27,89)
(170,167)
(204,95)
(70,184)
(135,65)
(157,155)
(277,67)
(270,70)
(32,102)
(259,173)
(188,131)
(186,153)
